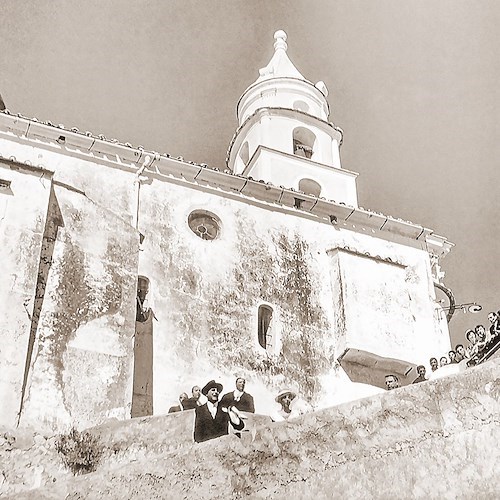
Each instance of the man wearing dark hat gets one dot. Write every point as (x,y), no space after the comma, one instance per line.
(211,419)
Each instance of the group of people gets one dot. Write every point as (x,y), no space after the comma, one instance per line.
(481,341)
(392,381)
(189,403)
(214,414)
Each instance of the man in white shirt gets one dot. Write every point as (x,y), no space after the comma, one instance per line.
(239,398)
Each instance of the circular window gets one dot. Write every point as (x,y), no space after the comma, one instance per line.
(205,225)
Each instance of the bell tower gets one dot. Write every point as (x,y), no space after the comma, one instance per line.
(284,136)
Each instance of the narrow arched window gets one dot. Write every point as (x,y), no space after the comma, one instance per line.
(265,315)
(303,142)
(244,153)
(308,186)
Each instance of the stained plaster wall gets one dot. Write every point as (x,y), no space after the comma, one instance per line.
(22,220)
(385,306)
(206,293)
(112,188)
(80,356)
(82,364)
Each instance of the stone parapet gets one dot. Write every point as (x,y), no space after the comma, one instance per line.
(432,440)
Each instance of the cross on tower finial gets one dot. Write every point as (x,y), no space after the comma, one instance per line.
(280,43)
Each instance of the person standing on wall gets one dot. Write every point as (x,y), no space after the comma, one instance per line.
(211,419)
(239,398)
(195,400)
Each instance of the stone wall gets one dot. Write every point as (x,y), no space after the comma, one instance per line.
(432,440)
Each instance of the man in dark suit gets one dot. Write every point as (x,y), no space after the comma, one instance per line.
(212,419)
(239,398)
(195,400)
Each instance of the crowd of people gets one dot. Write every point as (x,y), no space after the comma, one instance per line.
(481,342)
(213,416)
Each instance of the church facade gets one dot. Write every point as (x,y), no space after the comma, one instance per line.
(267,268)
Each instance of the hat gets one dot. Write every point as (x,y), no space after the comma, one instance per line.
(282,393)
(211,385)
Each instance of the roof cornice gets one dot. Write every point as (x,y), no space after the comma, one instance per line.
(165,167)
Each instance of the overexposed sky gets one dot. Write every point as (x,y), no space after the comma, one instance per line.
(413,84)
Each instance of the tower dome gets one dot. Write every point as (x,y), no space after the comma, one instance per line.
(284,136)
(280,84)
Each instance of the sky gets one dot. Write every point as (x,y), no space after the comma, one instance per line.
(413,84)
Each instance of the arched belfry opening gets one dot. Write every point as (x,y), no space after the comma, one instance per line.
(303,142)
(301,106)
(308,186)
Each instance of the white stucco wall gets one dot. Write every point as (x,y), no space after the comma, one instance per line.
(287,170)
(205,294)
(194,284)
(22,220)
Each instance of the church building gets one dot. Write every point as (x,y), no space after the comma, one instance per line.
(132,276)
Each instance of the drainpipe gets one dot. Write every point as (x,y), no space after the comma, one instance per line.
(137,183)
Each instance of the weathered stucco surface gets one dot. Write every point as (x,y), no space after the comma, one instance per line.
(432,440)
(206,294)
(22,220)
(82,363)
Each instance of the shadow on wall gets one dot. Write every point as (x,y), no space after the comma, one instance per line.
(142,395)
(53,222)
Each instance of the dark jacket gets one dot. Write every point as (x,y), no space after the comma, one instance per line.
(244,404)
(419,379)
(190,404)
(206,427)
